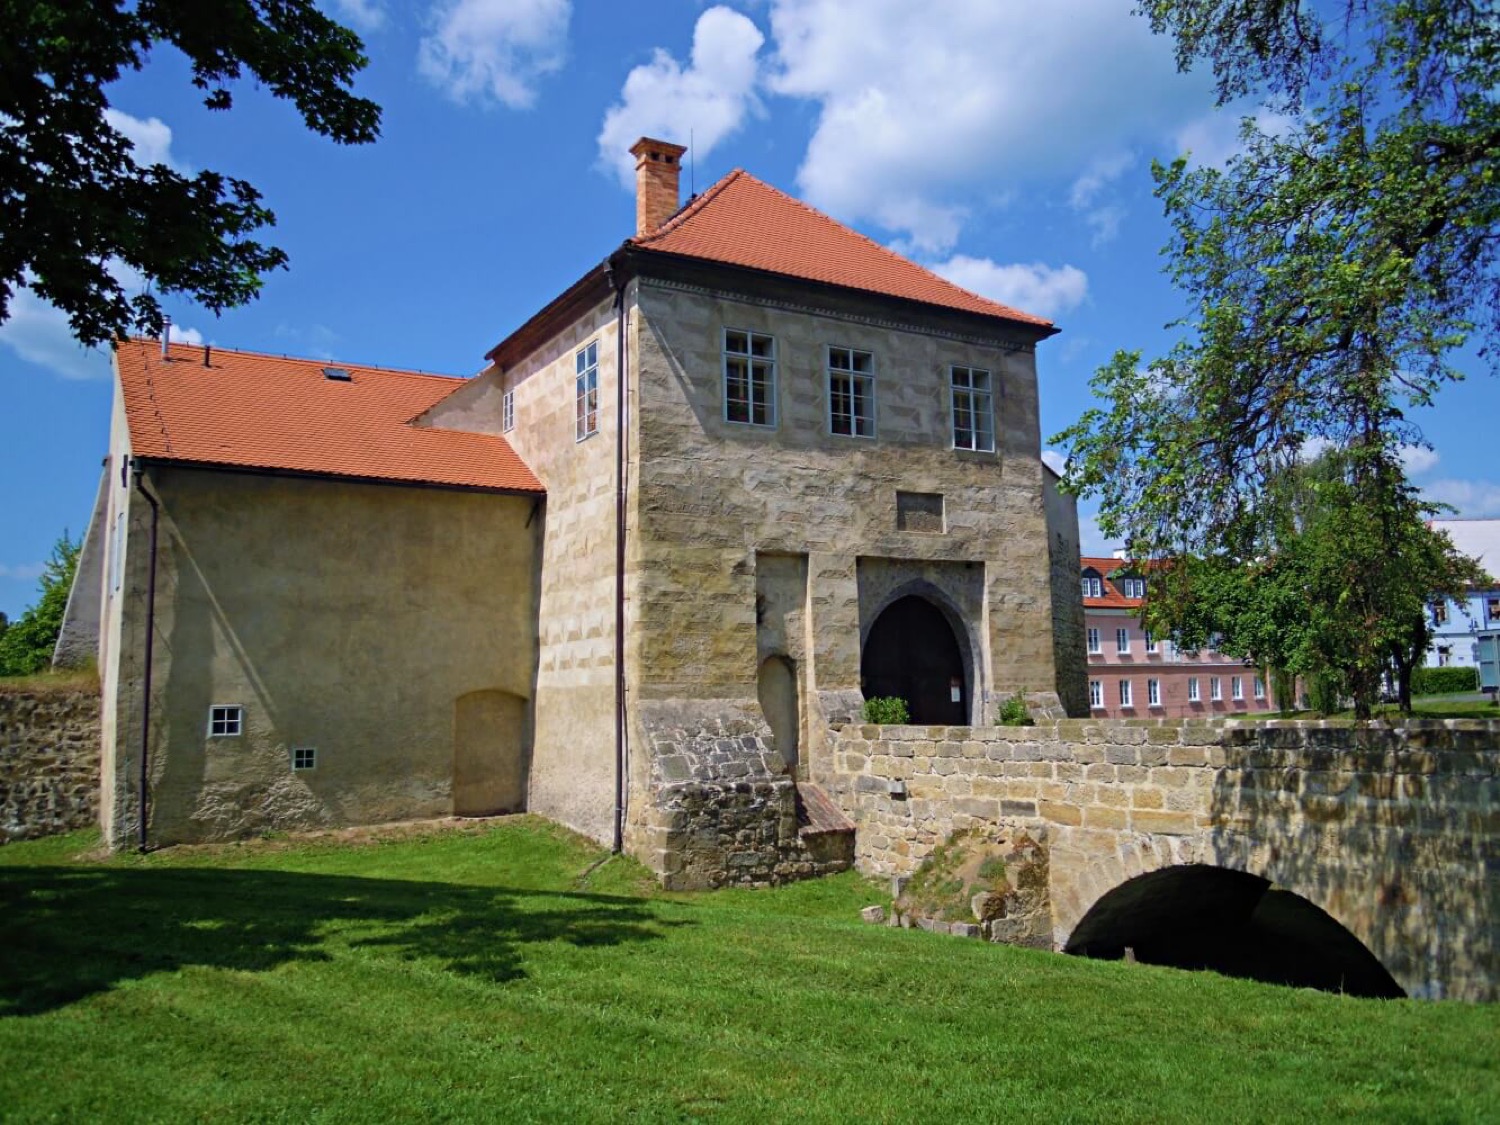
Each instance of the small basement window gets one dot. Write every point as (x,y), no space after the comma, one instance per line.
(226,720)
(304,757)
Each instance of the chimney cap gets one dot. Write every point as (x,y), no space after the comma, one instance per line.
(649,148)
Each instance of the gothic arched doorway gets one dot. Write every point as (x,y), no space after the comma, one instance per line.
(912,653)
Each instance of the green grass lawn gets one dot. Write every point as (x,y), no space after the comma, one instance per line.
(479,975)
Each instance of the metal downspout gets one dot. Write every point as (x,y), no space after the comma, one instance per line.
(622,428)
(145,780)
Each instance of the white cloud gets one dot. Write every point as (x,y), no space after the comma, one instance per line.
(24,572)
(150,138)
(1099,176)
(708,98)
(363,15)
(1055,461)
(919,108)
(1091,540)
(1473,499)
(1036,288)
(1213,140)
(1417,459)
(494,50)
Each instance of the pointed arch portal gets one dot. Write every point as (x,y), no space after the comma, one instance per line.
(912,653)
(1202,917)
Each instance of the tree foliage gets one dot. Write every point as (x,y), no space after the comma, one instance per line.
(26,644)
(1333,268)
(77,205)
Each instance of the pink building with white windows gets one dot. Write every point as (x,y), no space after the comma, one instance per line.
(1133,675)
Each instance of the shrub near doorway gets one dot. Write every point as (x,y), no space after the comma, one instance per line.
(886,710)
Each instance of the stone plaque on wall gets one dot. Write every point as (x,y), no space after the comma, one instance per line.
(919,511)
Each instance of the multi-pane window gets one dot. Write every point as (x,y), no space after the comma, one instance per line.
(1150,642)
(1260,688)
(1125,700)
(749,378)
(1133,587)
(1153,692)
(973,410)
(851,393)
(1492,610)
(586,365)
(1439,613)
(226,720)
(1215,692)
(1193,689)
(304,758)
(1122,641)
(1093,588)
(1096,693)
(1094,641)
(508,411)
(1236,687)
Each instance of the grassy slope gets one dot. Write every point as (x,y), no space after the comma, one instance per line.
(469,976)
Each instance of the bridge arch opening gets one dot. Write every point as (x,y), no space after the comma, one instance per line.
(913,652)
(1202,917)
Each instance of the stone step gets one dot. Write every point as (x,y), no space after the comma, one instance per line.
(817,815)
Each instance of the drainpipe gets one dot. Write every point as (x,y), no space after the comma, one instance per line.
(622,427)
(145,782)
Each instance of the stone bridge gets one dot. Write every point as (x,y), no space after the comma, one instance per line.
(1369,855)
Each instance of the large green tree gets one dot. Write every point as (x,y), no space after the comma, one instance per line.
(76,203)
(26,644)
(1333,269)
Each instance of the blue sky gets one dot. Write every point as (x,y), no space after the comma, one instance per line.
(1007,145)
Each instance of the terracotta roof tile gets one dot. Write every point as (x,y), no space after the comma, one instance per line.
(1112,598)
(745,222)
(270,412)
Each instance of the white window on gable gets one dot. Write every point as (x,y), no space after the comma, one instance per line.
(1193,689)
(851,393)
(749,378)
(226,720)
(586,367)
(1094,645)
(1093,587)
(1122,641)
(508,411)
(1096,693)
(1132,587)
(973,409)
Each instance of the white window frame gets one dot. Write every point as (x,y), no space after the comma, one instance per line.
(1151,645)
(1236,687)
(971,397)
(1093,588)
(1215,690)
(226,720)
(856,369)
(1193,696)
(586,390)
(1127,694)
(755,374)
(1440,613)
(301,764)
(1153,692)
(1122,642)
(508,411)
(1260,688)
(1096,694)
(1094,645)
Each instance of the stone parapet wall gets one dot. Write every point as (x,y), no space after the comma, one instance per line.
(49,763)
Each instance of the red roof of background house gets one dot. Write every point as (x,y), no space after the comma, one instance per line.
(745,222)
(1112,598)
(256,411)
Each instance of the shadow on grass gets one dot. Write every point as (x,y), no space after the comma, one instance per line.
(66,934)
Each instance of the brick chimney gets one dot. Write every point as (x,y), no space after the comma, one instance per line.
(658,165)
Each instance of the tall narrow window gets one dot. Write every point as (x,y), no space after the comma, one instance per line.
(851,393)
(1215,692)
(1096,693)
(1236,687)
(1094,641)
(1153,692)
(586,364)
(1125,694)
(1122,641)
(1440,613)
(1150,642)
(1193,689)
(749,378)
(1260,688)
(973,410)
(508,411)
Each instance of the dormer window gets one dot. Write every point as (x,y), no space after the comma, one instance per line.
(1093,586)
(1132,587)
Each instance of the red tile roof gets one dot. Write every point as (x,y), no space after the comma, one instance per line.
(1112,598)
(270,412)
(745,222)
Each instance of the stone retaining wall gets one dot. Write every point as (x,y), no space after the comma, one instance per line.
(49,762)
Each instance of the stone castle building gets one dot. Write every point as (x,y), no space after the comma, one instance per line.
(749,470)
